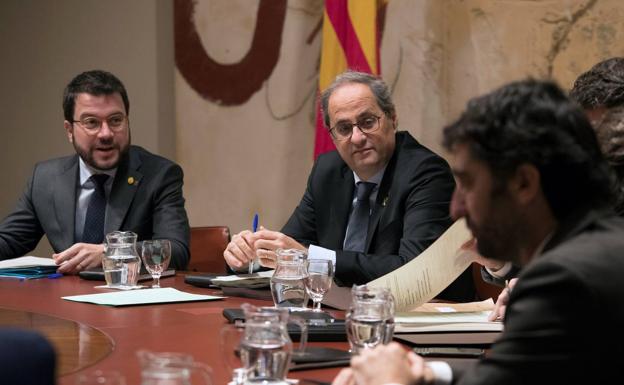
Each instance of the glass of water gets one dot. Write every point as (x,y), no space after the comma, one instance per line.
(156,256)
(287,283)
(318,281)
(370,318)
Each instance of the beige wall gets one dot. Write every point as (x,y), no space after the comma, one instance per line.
(256,156)
(45,43)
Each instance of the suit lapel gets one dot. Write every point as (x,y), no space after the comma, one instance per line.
(65,201)
(383,197)
(341,206)
(125,185)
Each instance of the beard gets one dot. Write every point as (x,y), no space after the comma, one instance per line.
(500,234)
(110,161)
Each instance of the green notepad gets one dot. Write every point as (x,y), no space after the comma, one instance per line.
(31,272)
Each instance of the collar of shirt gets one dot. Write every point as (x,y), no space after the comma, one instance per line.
(86,171)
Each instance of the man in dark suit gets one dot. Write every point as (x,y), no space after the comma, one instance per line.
(372,205)
(534,189)
(108,185)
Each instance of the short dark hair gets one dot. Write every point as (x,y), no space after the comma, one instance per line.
(94,82)
(534,122)
(601,86)
(377,86)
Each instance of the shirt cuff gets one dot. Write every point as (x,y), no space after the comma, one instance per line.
(317,252)
(443,375)
(442,372)
(502,272)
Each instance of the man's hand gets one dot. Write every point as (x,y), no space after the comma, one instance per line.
(269,241)
(387,364)
(240,251)
(498,314)
(78,257)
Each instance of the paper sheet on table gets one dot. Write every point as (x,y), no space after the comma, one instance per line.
(425,276)
(26,261)
(141,297)
(446,317)
(255,280)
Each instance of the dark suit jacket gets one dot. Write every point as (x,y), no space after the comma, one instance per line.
(152,207)
(563,323)
(411,211)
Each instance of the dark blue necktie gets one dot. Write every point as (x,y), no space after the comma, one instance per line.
(94,221)
(357,229)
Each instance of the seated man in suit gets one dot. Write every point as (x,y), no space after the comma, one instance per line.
(372,205)
(107,185)
(600,92)
(536,190)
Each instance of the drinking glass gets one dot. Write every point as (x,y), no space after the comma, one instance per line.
(100,377)
(318,281)
(156,256)
(370,318)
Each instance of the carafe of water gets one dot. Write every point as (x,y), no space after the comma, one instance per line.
(121,262)
(370,317)
(266,348)
(288,284)
(170,368)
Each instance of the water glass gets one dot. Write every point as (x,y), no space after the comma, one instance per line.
(156,256)
(318,281)
(370,318)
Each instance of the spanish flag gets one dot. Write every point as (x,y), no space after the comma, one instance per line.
(350,41)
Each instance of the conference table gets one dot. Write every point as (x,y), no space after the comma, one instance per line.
(89,337)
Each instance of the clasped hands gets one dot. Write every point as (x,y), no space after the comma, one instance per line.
(246,246)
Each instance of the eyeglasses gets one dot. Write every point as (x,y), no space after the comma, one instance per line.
(344,130)
(92,125)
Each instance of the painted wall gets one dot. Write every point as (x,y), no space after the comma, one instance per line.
(251,155)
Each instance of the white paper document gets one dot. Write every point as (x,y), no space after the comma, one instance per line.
(255,280)
(27,261)
(140,297)
(445,322)
(447,317)
(425,276)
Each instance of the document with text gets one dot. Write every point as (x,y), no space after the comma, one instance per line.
(425,276)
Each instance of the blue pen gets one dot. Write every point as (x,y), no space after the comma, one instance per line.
(55,275)
(254,226)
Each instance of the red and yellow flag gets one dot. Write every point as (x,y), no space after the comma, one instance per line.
(350,41)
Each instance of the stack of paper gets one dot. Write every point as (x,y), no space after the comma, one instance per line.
(28,267)
(253,281)
(444,317)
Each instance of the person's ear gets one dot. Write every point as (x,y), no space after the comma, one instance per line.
(525,184)
(69,130)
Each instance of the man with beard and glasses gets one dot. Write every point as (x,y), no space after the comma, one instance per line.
(535,190)
(108,185)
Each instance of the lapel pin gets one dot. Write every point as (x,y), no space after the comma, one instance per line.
(130,180)
(385,202)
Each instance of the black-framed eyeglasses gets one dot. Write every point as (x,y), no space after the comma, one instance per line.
(92,125)
(344,130)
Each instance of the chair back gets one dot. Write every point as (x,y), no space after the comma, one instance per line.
(207,246)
